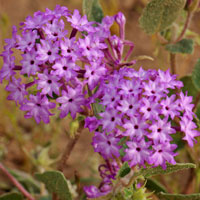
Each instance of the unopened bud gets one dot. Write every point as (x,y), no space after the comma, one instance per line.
(120,19)
(192,5)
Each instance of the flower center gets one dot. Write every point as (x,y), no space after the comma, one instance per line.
(64,68)
(49,81)
(136,127)
(138,149)
(32,62)
(49,53)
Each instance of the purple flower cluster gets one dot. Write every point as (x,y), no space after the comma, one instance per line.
(108,172)
(83,68)
(139,106)
(58,65)
(142,109)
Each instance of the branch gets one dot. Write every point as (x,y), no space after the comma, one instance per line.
(186,25)
(173,63)
(16,183)
(196,102)
(68,149)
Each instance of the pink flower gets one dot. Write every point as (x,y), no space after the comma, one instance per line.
(71,101)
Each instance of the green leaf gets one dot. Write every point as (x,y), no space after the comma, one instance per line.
(128,192)
(124,170)
(154,186)
(149,171)
(160,14)
(45,198)
(165,196)
(198,111)
(55,182)
(196,75)
(93,10)
(189,86)
(11,196)
(185,46)
(26,180)
(141,194)
(44,159)
(97,108)
(177,139)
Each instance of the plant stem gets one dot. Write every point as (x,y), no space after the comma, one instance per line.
(16,183)
(173,63)
(186,25)
(69,148)
(196,101)
(188,185)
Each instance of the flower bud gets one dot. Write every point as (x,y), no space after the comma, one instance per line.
(120,19)
(192,5)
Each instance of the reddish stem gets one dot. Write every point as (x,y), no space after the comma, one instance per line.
(17,67)
(131,45)
(69,148)
(186,25)
(73,33)
(16,183)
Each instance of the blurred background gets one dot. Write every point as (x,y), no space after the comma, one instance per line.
(31,147)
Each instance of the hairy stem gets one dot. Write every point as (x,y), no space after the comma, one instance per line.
(196,102)
(186,25)
(189,182)
(173,63)
(69,148)
(16,183)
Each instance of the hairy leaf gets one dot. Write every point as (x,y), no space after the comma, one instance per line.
(154,186)
(26,180)
(189,86)
(149,171)
(196,75)
(160,14)
(93,10)
(185,46)
(45,198)
(55,182)
(197,112)
(97,108)
(124,170)
(11,196)
(165,196)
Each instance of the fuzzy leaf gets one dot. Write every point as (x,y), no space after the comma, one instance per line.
(97,108)
(185,46)
(196,75)
(55,182)
(26,180)
(93,10)
(124,170)
(11,196)
(198,112)
(177,139)
(189,86)
(45,198)
(154,186)
(165,196)
(149,171)
(160,14)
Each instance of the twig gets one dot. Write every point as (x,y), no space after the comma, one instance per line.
(173,63)
(186,189)
(196,101)
(186,25)
(16,183)
(168,188)
(68,149)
